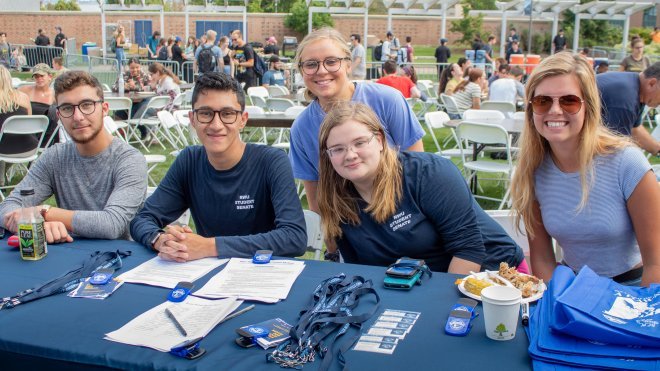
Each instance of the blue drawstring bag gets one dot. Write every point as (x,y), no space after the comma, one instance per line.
(599,309)
(560,359)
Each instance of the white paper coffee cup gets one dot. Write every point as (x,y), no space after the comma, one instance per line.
(501,307)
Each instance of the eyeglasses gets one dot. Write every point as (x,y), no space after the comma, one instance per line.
(571,104)
(206,115)
(331,64)
(341,150)
(86,107)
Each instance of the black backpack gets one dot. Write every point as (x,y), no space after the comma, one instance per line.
(206,60)
(162,53)
(260,66)
(378,52)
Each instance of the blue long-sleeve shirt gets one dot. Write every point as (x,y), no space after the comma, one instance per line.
(436,220)
(252,206)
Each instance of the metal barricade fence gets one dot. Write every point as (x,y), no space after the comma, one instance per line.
(36,54)
(106,70)
(187,73)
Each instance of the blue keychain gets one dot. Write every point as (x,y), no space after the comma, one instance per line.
(101,276)
(262,257)
(180,292)
(460,318)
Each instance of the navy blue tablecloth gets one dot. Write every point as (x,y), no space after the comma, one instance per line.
(59,329)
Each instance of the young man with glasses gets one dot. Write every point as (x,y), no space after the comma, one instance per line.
(241,196)
(99,181)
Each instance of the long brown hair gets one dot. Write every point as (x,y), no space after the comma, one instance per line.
(336,201)
(158,67)
(473,76)
(9,97)
(594,139)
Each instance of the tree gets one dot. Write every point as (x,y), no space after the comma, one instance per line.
(63,5)
(469,26)
(297,18)
(501,329)
(592,32)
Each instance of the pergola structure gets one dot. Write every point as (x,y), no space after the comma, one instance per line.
(541,10)
(348,8)
(420,7)
(209,7)
(123,7)
(609,10)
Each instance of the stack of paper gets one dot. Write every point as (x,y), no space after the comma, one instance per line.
(164,273)
(155,330)
(241,278)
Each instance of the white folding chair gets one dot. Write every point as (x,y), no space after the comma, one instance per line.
(505,219)
(279,104)
(482,115)
(167,124)
(252,134)
(156,103)
(106,88)
(184,122)
(450,105)
(507,108)
(314,233)
(22,125)
(277,91)
(519,115)
(294,111)
(121,104)
(259,102)
(485,134)
(152,162)
(258,91)
(436,120)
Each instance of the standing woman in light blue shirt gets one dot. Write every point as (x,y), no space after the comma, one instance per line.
(577,182)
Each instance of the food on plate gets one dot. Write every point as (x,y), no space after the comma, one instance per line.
(528,284)
(475,285)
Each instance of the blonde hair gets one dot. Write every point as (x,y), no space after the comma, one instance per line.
(9,97)
(336,203)
(211,35)
(325,33)
(595,139)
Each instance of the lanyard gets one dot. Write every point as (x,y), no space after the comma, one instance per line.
(69,280)
(331,311)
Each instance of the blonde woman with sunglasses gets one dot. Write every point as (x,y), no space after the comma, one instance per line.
(591,190)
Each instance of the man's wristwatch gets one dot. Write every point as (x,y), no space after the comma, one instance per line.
(44,209)
(156,237)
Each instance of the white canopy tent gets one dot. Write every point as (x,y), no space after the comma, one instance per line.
(420,7)
(211,8)
(123,7)
(348,8)
(609,10)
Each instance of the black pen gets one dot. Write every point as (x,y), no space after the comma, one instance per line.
(525,314)
(176,322)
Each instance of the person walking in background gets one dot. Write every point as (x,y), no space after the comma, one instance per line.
(636,61)
(442,55)
(227,66)
(41,39)
(178,55)
(208,57)
(60,38)
(411,50)
(358,59)
(152,45)
(5,50)
(271,46)
(243,60)
(559,42)
(120,41)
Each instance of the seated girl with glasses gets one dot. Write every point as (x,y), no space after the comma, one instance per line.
(379,205)
(242,197)
(591,190)
(324,60)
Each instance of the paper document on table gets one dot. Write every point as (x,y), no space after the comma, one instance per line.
(261,282)
(164,273)
(155,330)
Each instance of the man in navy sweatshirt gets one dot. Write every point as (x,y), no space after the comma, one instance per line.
(241,196)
